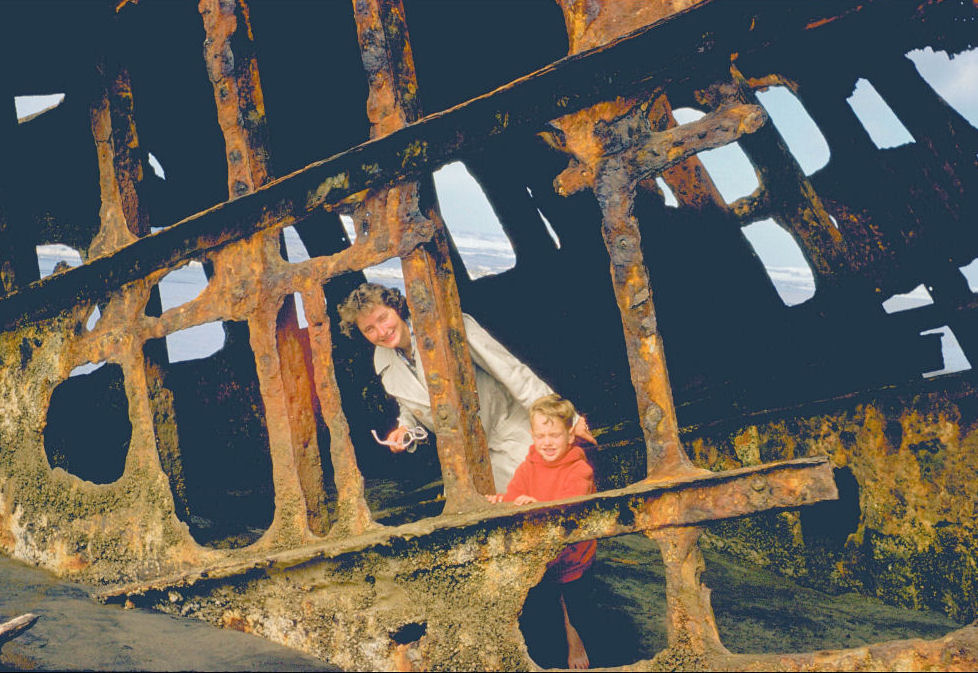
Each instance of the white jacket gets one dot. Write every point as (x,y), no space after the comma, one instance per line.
(506,390)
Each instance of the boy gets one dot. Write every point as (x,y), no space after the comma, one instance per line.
(557,468)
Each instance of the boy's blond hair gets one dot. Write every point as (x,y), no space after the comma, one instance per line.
(556,407)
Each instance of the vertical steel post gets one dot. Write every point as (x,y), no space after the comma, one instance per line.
(281,366)
(432,293)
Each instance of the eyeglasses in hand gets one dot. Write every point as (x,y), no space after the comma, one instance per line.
(411,438)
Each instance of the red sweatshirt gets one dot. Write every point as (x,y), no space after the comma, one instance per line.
(570,475)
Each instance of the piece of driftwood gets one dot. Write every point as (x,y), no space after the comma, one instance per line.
(16,626)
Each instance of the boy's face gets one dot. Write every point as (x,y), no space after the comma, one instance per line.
(382,326)
(551,438)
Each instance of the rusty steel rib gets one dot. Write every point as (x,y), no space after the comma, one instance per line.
(432,294)
(629,64)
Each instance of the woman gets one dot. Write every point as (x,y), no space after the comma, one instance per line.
(505,385)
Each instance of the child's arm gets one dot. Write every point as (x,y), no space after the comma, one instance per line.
(517,487)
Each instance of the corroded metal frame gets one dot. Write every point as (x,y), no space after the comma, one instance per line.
(606,111)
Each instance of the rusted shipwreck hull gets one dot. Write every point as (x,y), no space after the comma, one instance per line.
(770,408)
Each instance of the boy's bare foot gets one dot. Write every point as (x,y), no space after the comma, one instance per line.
(576,654)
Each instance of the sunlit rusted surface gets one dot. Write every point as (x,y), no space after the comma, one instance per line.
(613,170)
(340,589)
(282,372)
(428,277)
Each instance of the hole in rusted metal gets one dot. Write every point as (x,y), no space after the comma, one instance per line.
(300,311)
(155,164)
(387,273)
(182,285)
(917,297)
(295,249)
(800,132)
(970,273)
(409,633)
(223,444)
(728,166)
(472,223)
(34,106)
(883,126)
(954,358)
(550,228)
(830,523)
(87,432)
(783,261)
(93,319)
(195,343)
(951,77)
(667,196)
(49,257)
(602,605)
(349,228)
(86,368)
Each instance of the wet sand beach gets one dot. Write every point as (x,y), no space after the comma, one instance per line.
(73,632)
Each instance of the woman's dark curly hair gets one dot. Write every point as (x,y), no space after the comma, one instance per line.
(364,298)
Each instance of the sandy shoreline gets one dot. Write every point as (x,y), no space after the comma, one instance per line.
(74,632)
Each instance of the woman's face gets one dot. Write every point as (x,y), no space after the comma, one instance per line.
(382,326)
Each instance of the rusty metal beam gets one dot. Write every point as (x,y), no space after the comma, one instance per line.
(123,218)
(603,161)
(352,513)
(654,55)
(284,378)
(690,622)
(956,651)
(432,294)
(786,191)
(641,507)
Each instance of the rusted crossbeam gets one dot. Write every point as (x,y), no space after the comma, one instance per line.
(613,147)
(510,530)
(664,52)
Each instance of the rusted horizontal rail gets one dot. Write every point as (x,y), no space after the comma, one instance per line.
(664,52)
(642,506)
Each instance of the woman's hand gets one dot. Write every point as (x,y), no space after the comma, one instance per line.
(495,498)
(524,500)
(397,436)
(582,432)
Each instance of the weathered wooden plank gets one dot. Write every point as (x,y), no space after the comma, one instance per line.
(16,626)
